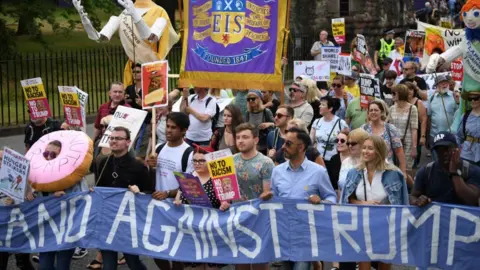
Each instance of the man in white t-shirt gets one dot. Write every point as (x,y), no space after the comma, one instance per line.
(316,50)
(173,156)
(201,108)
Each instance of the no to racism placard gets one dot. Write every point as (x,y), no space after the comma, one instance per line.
(125,117)
(14,174)
(155,84)
(36,97)
(224,178)
(71,106)
(437,235)
(316,70)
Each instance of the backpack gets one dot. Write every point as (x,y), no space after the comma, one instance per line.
(465,169)
(185,155)
(464,122)
(217,111)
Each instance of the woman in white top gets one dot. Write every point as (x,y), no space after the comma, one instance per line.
(355,142)
(325,130)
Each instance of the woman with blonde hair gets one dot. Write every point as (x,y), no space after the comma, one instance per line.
(312,98)
(375,182)
(355,141)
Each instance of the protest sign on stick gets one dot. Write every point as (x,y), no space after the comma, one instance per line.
(224,179)
(414,44)
(155,84)
(14,174)
(331,53)
(124,117)
(316,70)
(36,97)
(83,98)
(192,189)
(338,30)
(344,65)
(369,89)
(361,44)
(71,105)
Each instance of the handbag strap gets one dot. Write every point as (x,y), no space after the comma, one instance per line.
(408,122)
(364,185)
(329,135)
(387,127)
(445,111)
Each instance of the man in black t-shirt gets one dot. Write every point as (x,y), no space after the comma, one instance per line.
(39,127)
(410,75)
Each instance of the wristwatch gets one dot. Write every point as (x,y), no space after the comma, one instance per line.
(457,173)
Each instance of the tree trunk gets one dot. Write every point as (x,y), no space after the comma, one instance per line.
(26,24)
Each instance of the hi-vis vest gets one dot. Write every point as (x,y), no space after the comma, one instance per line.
(385,49)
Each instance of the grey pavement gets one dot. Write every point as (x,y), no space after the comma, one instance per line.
(16,143)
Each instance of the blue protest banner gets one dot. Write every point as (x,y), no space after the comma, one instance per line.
(443,236)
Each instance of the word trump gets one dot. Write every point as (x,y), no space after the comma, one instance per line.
(251,232)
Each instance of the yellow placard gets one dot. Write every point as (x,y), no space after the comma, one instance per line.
(221,167)
(338,29)
(34,91)
(70,99)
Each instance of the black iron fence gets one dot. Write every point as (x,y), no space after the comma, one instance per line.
(92,71)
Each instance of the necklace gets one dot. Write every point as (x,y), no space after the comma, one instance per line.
(114,173)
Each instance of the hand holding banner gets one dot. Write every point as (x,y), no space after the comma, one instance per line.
(338,30)
(36,98)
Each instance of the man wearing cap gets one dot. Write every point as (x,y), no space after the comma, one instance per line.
(441,108)
(351,85)
(316,50)
(449,179)
(298,101)
(384,47)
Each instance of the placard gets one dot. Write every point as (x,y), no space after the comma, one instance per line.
(429,79)
(457,69)
(330,53)
(155,84)
(316,70)
(36,97)
(414,44)
(71,105)
(14,174)
(224,178)
(396,66)
(83,98)
(124,117)
(445,22)
(344,65)
(369,89)
(361,44)
(192,189)
(338,30)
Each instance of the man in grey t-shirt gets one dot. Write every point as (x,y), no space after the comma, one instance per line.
(316,50)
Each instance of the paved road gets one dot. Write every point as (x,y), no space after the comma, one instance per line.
(16,143)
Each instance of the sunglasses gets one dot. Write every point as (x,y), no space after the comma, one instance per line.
(340,140)
(112,138)
(47,154)
(279,115)
(199,161)
(477,98)
(336,85)
(352,144)
(252,99)
(103,126)
(289,143)
(293,90)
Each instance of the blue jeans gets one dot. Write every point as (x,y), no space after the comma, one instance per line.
(64,258)
(110,261)
(298,265)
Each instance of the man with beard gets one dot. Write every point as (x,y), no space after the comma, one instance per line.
(298,101)
(276,137)
(441,109)
(410,75)
(448,180)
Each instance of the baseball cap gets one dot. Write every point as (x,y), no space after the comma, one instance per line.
(391,31)
(444,138)
(255,92)
(298,86)
(354,76)
(387,60)
(441,78)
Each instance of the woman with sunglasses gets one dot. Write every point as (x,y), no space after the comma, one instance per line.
(201,171)
(343,152)
(224,137)
(468,133)
(413,91)
(355,141)
(339,93)
(260,117)
(376,116)
(375,182)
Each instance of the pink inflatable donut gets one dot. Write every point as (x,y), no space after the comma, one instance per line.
(68,168)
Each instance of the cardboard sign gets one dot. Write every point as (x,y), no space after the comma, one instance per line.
(316,70)
(36,97)
(338,30)
(457,69)
(124,117)
(369,89)
(445,22)
(344,65)
(396,66)
(155,84)
(414,44)
(361,44)
(429,79)
(331,53)
(192,189)
(71,105)
(14,174)
(83,98)
(224,179)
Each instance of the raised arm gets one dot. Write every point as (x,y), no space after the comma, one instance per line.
(108,30)
(152,34)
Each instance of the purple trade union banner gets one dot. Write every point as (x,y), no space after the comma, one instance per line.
(233,44)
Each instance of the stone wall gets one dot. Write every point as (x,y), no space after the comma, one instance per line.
(368,17)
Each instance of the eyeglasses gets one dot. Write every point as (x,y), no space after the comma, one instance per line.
(252,99)
(279,115)
(293,90)
(112,138)
(290,143)
(340,140)
(199,161)
(50,154)
(336,85)
(476,98)
(137,71)
(352,144)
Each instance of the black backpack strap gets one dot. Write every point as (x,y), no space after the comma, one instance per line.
(185,157)
(464,122)
(429,169)
(208,101)
(159,148)
(192,98)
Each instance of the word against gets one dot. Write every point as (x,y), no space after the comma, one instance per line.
(438,235)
